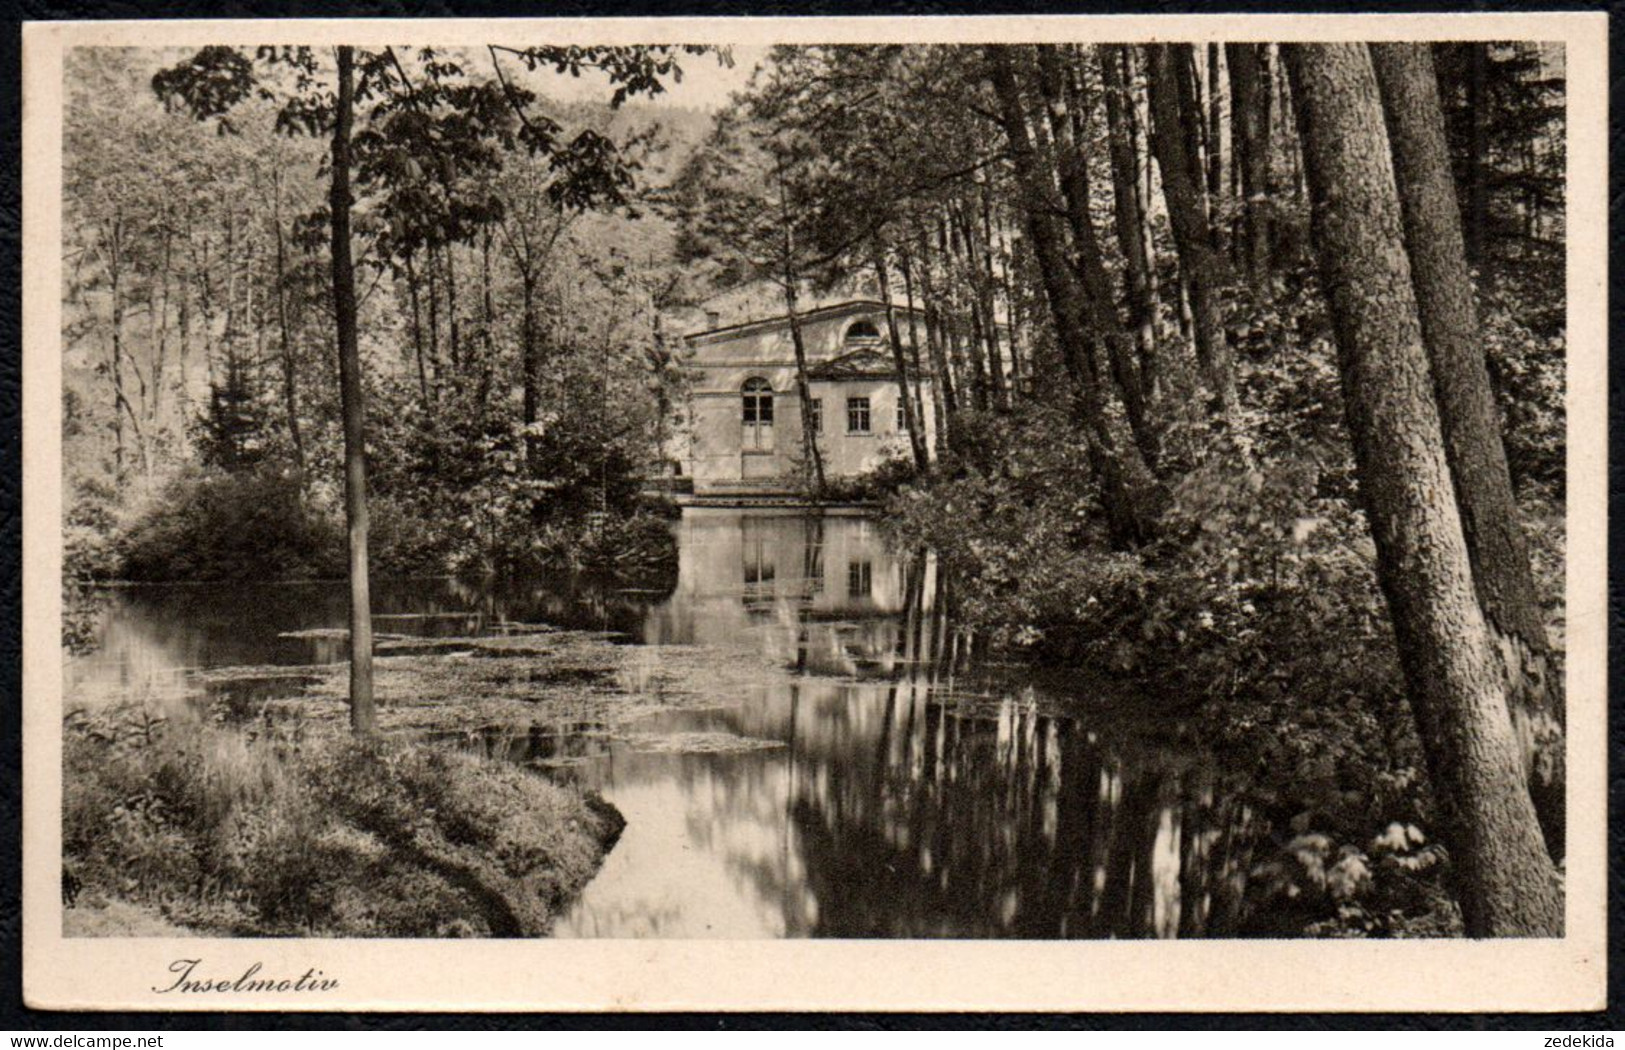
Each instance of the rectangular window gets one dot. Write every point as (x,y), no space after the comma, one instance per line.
(857,415)
(860,578)
(815,409)
(902,416)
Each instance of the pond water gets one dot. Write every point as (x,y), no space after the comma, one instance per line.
(877,780)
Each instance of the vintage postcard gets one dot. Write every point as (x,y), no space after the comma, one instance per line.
(922,513)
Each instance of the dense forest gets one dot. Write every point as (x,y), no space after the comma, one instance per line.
(1246,367)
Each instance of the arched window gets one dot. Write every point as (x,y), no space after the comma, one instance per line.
(861,334)
(758,394)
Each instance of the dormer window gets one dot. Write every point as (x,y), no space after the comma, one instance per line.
(861,335)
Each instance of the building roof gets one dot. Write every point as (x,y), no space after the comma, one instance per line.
(783,320)
(863,363)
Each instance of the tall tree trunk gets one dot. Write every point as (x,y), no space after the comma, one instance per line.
(183,352)
(906,262)
(530,365)
(1505,881)
(1217,158)
(967,270)
(438,367)
(290,395)
(363,717)
(488,323)
(1187,83)
(229,336)
(1202,267)
(1129,493)
(158,305)
(942,389)
(942,318)
(1250,117)
(1471,423)
(414,295)
(1006,255)
(252,318)
(1128,212)
(905,392)
(1063,111)
(809,433)
(203,271)
(987,296)
(454,342)
(121,405)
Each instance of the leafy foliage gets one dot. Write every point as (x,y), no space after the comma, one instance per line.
(208,524)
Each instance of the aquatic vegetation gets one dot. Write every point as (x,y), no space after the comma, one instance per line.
(699,743)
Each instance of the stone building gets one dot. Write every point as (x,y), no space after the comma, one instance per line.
(745,414)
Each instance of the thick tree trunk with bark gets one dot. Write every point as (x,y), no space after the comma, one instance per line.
(1470,420)
(1203,266)
(363,718)
(488,324)
(1506,883)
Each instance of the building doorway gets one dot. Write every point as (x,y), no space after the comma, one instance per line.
(756,438)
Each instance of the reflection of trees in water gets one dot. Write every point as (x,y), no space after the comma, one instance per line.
(574,602)
(917,810)
(1021,825)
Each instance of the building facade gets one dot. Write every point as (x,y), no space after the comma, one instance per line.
(745,413)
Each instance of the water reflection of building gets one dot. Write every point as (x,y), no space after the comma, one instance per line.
(913,796)
(822,588)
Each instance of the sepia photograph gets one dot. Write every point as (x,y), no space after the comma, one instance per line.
(1033,486)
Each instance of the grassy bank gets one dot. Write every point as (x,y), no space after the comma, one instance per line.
(233,802)
(229,831)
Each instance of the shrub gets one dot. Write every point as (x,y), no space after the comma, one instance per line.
(640,549)
(405,540)
(874,484)
(211,525)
